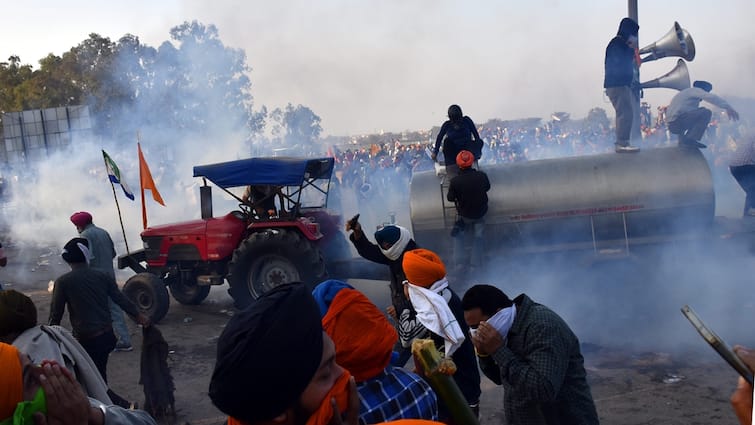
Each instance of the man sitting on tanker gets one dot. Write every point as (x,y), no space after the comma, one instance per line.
(687,119)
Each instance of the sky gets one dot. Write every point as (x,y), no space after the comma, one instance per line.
(394,65)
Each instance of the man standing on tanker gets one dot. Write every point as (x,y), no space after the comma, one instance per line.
(456,134)
(620,63)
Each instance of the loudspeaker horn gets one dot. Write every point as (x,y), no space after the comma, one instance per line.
(677,78)
(676,42)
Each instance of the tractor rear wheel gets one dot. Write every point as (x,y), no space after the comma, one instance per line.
(272,258)
(150,295)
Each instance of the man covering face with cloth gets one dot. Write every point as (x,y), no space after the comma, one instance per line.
(439,310)
(531,351)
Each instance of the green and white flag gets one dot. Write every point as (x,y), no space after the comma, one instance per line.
(115,175)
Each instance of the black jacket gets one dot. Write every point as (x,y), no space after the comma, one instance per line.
(469,191)
(458,136)
(370,251)
(619,61)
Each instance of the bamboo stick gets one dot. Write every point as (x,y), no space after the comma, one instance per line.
(439,374)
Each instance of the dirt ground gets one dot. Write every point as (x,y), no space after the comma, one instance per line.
(629,386)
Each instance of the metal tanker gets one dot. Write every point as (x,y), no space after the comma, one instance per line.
(604,203)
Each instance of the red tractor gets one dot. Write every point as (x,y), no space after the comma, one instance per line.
(253,248)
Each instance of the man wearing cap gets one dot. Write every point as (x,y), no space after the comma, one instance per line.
(364,341)
(48,393)
(86,292)
(532,353)
(392,242)
(439,310)
(102,253)
(687,119)
(469,191)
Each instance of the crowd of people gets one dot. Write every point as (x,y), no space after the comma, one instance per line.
(323,356)
(386,168)
(297,356)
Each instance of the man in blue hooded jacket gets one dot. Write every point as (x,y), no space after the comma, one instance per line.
(620,66)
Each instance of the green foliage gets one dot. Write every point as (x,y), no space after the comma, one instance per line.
(191,85)
(296,125)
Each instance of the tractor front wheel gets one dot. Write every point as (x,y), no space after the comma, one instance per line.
(149,294)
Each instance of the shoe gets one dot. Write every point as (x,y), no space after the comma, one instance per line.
(123,347)
(626,149)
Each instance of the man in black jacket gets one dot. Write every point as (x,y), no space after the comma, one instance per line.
(620,65)
(457,133)
(392,242)
(86,292)
(469,191)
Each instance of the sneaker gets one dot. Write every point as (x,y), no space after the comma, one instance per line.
(123,347)
(626,149)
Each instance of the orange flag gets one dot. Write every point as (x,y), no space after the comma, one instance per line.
(147,182)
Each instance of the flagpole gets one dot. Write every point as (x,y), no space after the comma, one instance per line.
(141,181)
(118,207)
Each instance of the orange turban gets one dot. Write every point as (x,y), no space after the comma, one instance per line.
(11,380)
(465,159)
(423,267)
(363,337)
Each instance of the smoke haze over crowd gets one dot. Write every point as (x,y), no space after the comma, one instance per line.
(370,66)
(392,65)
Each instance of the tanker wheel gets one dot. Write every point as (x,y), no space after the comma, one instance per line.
(149,294)
(269,259)
(188,293)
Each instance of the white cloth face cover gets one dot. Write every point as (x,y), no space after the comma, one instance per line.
(435,314)
(503,320)
(397,248)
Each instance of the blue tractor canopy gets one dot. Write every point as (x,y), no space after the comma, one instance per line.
(304,181)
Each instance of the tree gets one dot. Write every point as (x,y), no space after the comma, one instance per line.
(296,125)
(597,120)
(12,75)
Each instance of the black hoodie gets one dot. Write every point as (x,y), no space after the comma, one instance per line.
(619,56)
